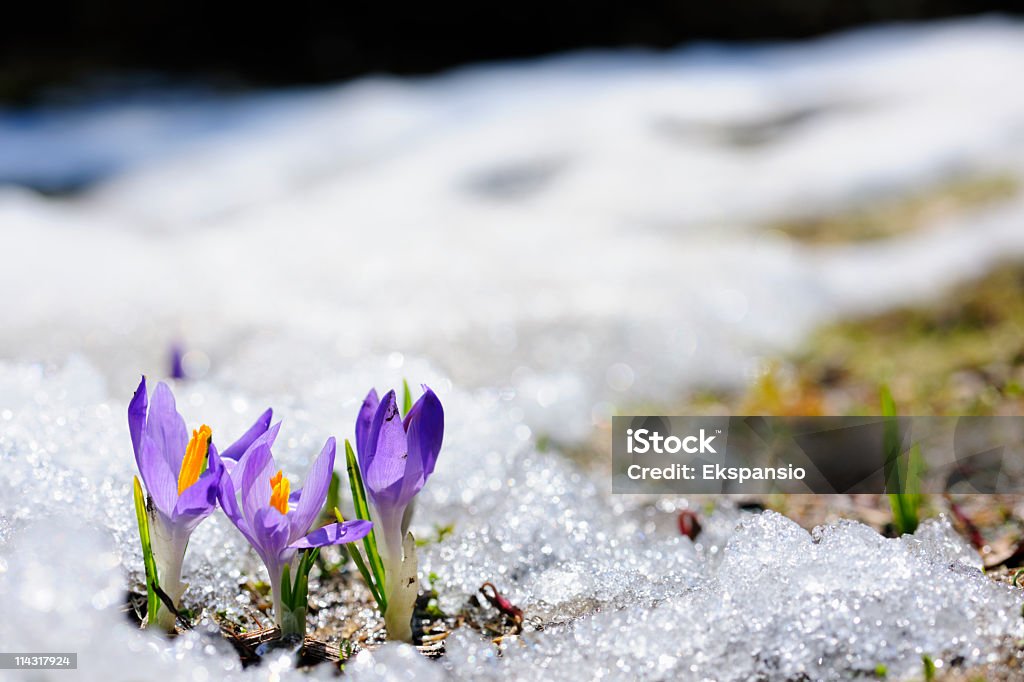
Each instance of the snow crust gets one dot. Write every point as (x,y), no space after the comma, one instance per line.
(611,585)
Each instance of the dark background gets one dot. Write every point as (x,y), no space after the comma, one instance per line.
(301,41)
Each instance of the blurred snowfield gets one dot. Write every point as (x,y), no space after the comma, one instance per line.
(586,230)
(544,242)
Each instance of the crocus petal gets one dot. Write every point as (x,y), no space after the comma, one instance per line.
(166,427)
(137,417)
(314,491)
(238,448)
(161,483)
(228,498)
(425,430)
(334,534)
(270,532)
(388,445)
(412,482)
(366,453)
(363,423)
(198,500)
(265,439)
(256,482)
(177,361)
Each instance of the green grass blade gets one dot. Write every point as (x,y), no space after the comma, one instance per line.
(903,471)
(152,580)
(307,560)
(333,497)
(406,398)
(300,595)
(310,559)
(912,497)
(899,514)
(891,442)
(302,592)
(929,667)
(286,586)
(357,559)
(355,481)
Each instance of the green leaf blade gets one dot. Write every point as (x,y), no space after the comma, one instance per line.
(286,586)
(152,579)
(362,509)
(406,398)
(903,470)
(376,589)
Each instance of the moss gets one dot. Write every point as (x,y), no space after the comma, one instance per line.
(963,354)
(905,213)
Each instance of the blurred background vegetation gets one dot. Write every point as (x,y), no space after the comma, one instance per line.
(233,44)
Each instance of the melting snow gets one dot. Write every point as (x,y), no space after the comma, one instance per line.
(616,589)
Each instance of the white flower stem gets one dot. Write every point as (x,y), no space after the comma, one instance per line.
(291,622)
(168,554)
(402,589)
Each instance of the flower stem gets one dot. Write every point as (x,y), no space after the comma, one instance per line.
(402,589)
(168,554)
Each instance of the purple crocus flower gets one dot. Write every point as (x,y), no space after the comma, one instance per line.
(396,457)
(276,522)
(181,486)
(177,361)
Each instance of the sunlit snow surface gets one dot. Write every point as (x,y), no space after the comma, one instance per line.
(540,242)
(618,591)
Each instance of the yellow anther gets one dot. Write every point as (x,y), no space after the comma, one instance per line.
(195,458)
(280,488)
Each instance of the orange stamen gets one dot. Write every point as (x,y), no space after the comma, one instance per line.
(195,458)
(280,489)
